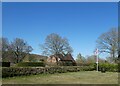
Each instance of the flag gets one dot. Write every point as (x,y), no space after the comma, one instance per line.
(96,51)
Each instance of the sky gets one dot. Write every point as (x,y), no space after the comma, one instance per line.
(80,22)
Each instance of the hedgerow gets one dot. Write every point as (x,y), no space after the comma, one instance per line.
(108,67)
(5,64)
(20,71)
(30,64)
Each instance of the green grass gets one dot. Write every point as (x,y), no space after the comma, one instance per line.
(82,77)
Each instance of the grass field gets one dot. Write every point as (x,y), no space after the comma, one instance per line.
(82,77)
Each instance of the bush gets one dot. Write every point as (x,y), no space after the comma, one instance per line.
(30,64)
(85,64)
(5,64)
(20,71)
(118,67)
(108,67)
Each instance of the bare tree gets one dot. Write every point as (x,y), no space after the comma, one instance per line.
(108,42)
(5,47)
(55,44)
(6,50)
(5,44)
(20,48)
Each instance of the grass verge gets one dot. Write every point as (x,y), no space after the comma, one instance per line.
(82,77)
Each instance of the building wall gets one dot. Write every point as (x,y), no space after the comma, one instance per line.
(51,60)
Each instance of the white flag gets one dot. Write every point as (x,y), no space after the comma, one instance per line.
(96,51)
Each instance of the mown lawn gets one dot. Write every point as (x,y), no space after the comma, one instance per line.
(82,77)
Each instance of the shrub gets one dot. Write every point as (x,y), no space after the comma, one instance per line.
(108,67)
(5,64)
(30,64)
(67,63)
(20,71)
(118,67)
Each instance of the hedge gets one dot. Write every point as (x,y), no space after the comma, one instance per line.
(30,64)
(108,67)
(85,64)
(20,71)
(5,64)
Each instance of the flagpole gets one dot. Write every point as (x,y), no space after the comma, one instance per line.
(96,53)
(97,62)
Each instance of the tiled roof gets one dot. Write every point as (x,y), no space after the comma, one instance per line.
(67,57)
